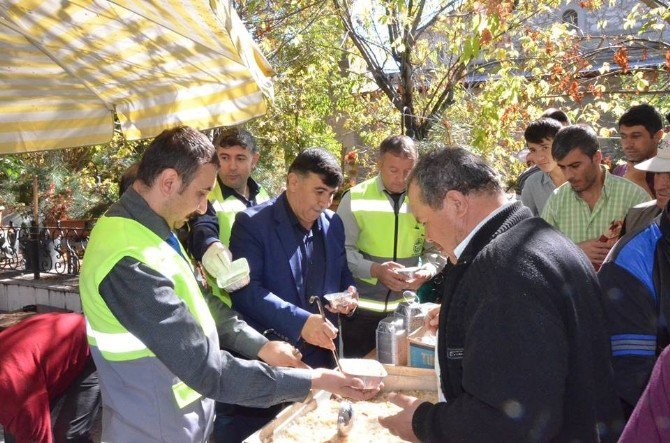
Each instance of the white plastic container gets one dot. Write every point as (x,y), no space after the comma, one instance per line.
(392,341)
(337,299)
(370,371)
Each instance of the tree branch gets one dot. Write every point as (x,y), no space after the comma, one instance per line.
(381,79)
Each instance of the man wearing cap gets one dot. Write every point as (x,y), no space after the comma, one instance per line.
(658,167)
(635,279)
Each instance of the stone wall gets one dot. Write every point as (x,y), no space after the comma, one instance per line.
(19,290)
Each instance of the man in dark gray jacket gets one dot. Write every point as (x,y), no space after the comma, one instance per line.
(522,348)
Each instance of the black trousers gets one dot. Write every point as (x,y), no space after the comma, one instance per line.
(77,409)
(359,332)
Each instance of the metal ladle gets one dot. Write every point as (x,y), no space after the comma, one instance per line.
(345,414)
(316,299)
(345,417)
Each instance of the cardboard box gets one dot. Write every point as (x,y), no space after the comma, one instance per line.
(420,354)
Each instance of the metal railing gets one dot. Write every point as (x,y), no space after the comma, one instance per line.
(44,249)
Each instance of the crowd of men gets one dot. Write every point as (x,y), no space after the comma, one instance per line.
(533,345)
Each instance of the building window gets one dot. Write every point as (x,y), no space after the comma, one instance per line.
(570,17)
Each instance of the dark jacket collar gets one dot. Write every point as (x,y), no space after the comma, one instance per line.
(132,205)
(500,223)
(226,191)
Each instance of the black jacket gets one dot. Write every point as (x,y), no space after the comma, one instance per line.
(522,341)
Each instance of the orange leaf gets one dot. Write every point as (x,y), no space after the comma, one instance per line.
(621,58)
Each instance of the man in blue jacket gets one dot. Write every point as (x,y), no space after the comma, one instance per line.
(295,248)
(635,280)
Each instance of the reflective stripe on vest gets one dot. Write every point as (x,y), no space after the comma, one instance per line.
(112,239)
(378,306)
(384,205)
(116,346)
(226,209)
(376,222)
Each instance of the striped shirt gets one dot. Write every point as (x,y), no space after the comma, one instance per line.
(569,213)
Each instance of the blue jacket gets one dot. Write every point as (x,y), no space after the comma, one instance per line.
(635,280)
(275,298)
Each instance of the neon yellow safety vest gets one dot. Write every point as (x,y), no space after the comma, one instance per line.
(378,224)
(112,239)
(226,209)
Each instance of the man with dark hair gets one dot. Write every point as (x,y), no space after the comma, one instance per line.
(150,331)
(636,282)
(558,115)
(382,238)
(234,191)
(590,207)
(522,348)
(539,135)
(641,129)
(295,248)
(526,156)
(208,241)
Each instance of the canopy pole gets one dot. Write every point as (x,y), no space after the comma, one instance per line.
(35,230)
(36,190)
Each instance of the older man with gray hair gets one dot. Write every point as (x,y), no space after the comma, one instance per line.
(522,347)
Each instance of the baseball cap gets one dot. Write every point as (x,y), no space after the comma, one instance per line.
(661,161)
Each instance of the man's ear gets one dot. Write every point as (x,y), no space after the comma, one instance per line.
(168,181)
(457,202)
(292,181)
(254,160)
(658,136)
(598,157)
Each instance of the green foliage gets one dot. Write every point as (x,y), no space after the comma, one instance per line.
(73,183)
(319,95)
(466,72)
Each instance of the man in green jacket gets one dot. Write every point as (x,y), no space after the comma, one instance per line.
(383,239)
(151,334)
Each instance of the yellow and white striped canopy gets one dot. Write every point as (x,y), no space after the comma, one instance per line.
(67,65)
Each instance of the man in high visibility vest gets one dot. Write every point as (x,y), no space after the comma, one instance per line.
(234,191)
(152,337)
(383,239)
